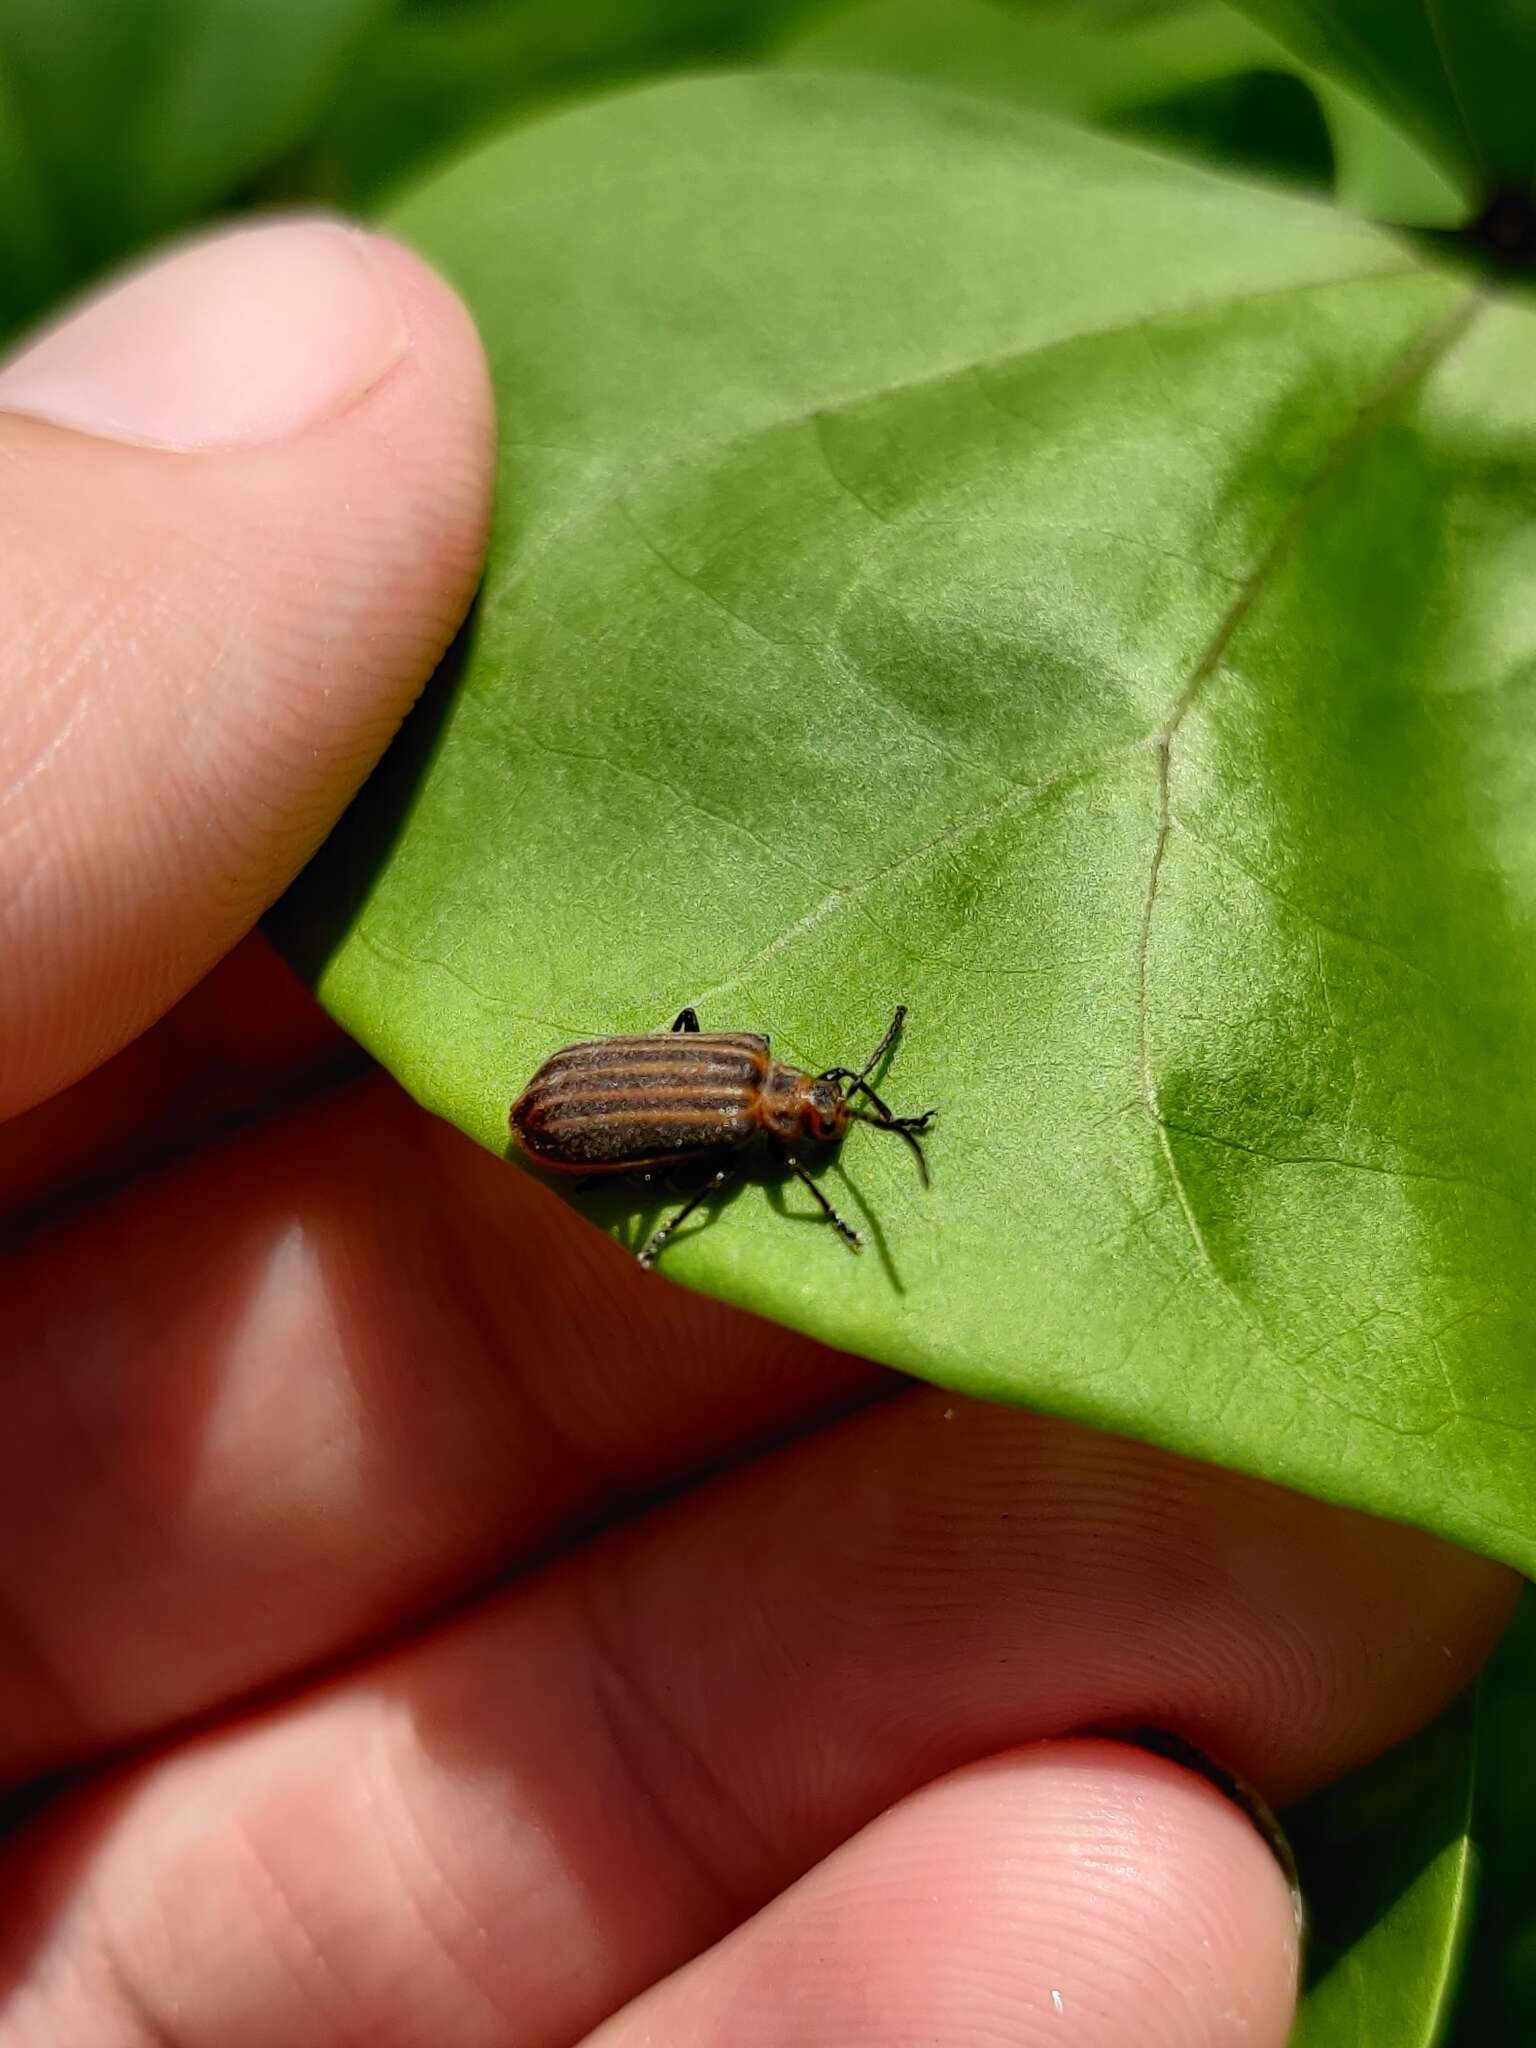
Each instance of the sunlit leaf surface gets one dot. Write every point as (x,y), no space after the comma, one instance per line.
(949,559)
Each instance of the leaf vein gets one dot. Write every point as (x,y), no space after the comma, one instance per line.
(673,459)
(692,583)
(537,743)
(399,956)
(1453,1180)
(1428,348)
(849,895)
(1437,35)
(1318,924)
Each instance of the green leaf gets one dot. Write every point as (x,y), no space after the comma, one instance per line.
(121,119)
(1066,61)
(1389,1867)
(1199,78)
(950,558)
(1459,76)
(1378,170)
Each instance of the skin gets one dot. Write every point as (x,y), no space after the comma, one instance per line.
(418,1625)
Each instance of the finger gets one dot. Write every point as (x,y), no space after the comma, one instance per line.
(250,1388)
(538,1810)
(248,1040)
(258,1390)
(1072,1893)
(1076,1893)
(245,504)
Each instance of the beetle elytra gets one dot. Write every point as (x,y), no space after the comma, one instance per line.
(664,1099)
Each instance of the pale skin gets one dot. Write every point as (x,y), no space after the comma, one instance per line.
(456,1634)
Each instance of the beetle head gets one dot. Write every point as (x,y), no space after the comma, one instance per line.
(823,1111)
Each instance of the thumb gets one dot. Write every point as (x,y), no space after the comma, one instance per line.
(243,499)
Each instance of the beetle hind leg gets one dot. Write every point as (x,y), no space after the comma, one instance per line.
(685,1020)
(651,1249)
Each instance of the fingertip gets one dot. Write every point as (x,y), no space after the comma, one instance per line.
(1144,1904)
(223,585)
(1077,1890)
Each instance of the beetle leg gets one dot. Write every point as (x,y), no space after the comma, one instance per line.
(906,1127)
(863,1088)
(846,1231)
(685,1020)
(888,1118)
(653,1244)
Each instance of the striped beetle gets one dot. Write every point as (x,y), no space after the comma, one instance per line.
(662,1099)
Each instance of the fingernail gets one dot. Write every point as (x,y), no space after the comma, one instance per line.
(251,337)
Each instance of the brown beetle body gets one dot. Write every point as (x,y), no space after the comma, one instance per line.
(628,1105)
(665,1099)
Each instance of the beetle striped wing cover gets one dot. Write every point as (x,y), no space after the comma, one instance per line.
(617,1103)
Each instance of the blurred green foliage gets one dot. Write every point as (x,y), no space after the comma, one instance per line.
(1498,2007)
(123,120)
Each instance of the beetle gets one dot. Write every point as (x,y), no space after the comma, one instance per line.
(662,1099)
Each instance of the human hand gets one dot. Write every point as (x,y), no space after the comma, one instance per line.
(451,1633)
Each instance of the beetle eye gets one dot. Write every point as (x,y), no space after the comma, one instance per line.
(821,1110)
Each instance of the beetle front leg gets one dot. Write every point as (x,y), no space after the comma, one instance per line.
(909,1128)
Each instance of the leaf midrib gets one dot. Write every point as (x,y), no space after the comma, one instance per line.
(1427,350)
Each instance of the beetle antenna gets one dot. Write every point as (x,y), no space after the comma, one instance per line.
(855,1081)
(859,1078)
(898,1018)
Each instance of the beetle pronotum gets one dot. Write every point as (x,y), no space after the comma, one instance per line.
(663,1099)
